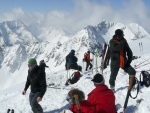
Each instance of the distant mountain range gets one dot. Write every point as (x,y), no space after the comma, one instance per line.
(19,42)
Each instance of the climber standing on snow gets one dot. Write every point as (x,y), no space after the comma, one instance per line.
(36,79)
(87,60)
(119,48)
(43,65)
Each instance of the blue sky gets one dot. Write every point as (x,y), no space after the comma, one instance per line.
(74,15)
(46,5)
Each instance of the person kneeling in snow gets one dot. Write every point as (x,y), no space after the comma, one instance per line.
(81,104)
(101,97)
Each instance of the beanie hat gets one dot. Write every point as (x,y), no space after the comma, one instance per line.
(98,78)
(119,32)
(72,52)
(32,61)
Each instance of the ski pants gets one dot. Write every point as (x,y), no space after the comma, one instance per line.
(114,71)
(88,63)
(36,107)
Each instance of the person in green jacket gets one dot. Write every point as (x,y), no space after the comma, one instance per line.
(119,49)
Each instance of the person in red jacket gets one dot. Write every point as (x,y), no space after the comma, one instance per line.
(88,60)
(85,106)
(101,97)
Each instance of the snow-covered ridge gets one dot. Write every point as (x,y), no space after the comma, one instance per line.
(54,45)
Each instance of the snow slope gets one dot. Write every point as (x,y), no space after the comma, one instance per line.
(54,99)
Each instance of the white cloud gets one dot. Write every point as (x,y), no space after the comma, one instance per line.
(85,13)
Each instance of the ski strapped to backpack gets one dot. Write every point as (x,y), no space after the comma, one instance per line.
(146,78)
(77,103)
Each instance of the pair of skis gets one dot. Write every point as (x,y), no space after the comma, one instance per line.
(105,57)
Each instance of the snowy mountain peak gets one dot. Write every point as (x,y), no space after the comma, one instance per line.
(105,30)
(15,32)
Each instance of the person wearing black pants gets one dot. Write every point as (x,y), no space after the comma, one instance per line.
(121,57)
(87,60)
(37,80)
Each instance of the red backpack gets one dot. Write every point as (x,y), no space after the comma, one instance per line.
(85,56)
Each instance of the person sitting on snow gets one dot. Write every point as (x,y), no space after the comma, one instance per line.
(85,106)
(101,97)
(71,61)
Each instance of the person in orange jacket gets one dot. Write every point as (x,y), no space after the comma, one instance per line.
(101,97)
(85,106)
(87,60)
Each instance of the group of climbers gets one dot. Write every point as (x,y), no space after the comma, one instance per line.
(101,99)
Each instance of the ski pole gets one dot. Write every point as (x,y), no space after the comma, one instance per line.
(140,48)
(83,65)
(92,61)
(142,62)
(49,68)
(137,104)
(142,65)
(128,93)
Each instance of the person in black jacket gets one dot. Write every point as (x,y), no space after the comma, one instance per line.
(36,79)
(71,61)
(43,65)
(119,48)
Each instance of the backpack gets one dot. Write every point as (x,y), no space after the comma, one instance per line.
(74,77)
(146,78)
(85,56)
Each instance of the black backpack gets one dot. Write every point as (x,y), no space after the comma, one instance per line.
(146,78)
(74,77)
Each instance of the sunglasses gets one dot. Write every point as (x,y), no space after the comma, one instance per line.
(29,65)
(70,100)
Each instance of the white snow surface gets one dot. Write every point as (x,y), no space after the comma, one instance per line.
(14,57)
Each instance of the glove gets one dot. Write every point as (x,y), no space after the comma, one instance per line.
(127,64)
(91,59)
